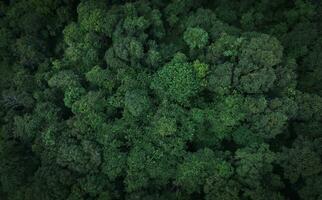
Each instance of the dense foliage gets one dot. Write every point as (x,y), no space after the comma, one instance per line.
(160,99)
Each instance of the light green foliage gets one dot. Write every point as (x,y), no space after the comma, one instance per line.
(166,126)
(172,120)
(94,16)
(195,37)
(176,80)
(72,94)
(91,16)
(72,34)
(84,51)
(201,69)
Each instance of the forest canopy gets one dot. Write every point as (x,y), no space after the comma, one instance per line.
(160,99)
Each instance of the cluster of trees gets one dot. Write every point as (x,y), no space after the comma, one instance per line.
(160,99)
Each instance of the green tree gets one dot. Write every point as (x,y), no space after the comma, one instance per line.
(195,37)
(177,80)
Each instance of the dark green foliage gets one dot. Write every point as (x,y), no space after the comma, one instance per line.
(149,100)
(137,102)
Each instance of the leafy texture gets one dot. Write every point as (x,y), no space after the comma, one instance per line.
(160,100)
